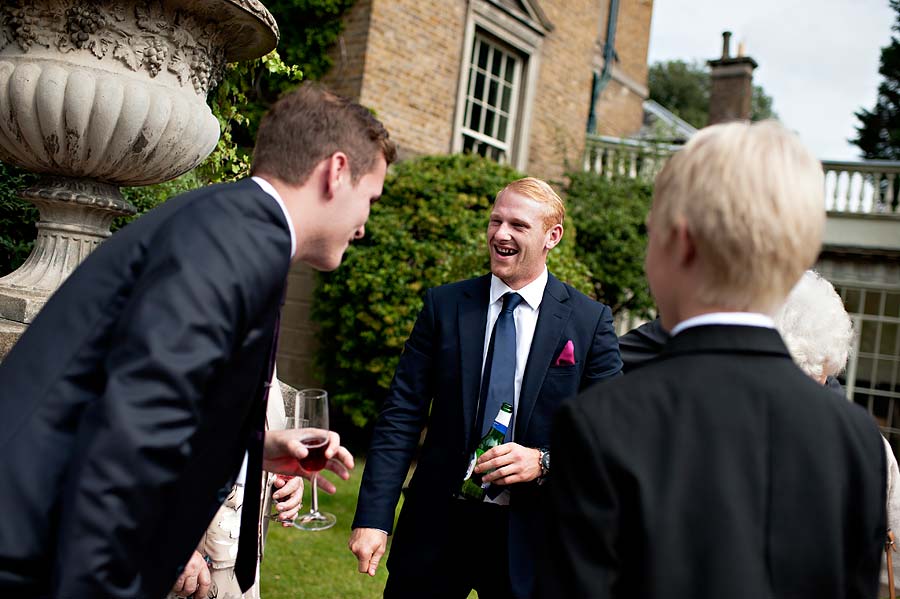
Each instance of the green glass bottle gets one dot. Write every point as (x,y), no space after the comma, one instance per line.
(472,487)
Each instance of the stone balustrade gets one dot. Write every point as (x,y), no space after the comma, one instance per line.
(851,187)
(865,187)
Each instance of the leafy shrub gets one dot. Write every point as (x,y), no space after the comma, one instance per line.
(428,228)
(612,237)
(17,218)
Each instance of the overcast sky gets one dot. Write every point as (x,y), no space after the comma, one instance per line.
(818,59)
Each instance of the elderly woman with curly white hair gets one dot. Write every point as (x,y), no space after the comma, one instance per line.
(819,334)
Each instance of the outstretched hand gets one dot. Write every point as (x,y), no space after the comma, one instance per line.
(283,451)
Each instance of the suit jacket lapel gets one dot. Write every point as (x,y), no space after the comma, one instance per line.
(554,315)
(472,313)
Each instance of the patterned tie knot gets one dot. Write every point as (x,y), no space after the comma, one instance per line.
(511,301)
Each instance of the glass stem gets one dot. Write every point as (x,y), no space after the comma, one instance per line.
(315,494)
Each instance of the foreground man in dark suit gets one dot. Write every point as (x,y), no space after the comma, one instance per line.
(446,546)
(127,407)
(719,469)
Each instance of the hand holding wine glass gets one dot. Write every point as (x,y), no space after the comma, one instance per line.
(287,490)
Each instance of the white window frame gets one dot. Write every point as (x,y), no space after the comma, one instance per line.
(492,138)
(891,428)
(524,36)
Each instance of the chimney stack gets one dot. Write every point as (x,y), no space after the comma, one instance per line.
(732,85)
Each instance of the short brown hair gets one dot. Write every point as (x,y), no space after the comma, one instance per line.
(310,124)
(542,193)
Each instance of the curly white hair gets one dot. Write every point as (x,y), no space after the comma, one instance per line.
(815,327)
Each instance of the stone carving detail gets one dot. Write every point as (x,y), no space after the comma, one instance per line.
(103,126)
(144,35)
(100,93)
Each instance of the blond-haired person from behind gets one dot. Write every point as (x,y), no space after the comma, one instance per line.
(719,469)
(818,332)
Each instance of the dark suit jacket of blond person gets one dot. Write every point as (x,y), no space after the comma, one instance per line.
(774,455)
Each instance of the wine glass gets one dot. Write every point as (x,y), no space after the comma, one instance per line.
(312,405)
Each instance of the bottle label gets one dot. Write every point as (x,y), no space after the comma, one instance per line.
(471,467)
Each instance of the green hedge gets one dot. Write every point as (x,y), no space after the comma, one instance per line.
(429,228)
(612,237)
(17,218)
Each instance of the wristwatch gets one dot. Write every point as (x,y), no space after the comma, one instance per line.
(545,465)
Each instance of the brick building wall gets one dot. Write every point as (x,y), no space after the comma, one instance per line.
(348,56)
(620,107)
(297,340)
(562,98)
(411,52)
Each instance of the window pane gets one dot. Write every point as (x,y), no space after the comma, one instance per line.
(873,302)
(492,93)
(482,54)
(864,373)
(888,339)
(884,375)
(510,69)
(468,144)
(497,64)
(501,128)
(851,301)
(489,122)
(475,121)
(479,86)
(892,305)
(880,407)
(867,337)
(507,94)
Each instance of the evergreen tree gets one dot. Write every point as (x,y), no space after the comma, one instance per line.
(878,136)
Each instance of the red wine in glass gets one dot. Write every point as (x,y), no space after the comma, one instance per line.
(316,445)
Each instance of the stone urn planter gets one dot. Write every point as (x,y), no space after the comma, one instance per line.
(97,94)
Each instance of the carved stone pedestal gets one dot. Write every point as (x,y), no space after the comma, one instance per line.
(75,218)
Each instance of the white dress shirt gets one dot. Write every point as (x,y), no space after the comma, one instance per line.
(745,319)
(269,189)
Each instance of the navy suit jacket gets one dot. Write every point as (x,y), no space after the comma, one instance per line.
(718,469)
(127,406)
(437,384)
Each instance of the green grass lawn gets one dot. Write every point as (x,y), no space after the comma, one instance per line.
(318,565)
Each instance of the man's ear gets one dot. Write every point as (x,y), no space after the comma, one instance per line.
(337,173)
(683,244)
(554,236)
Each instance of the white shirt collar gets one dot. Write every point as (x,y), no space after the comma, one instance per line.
(532,293)
(746,319)
(267,187)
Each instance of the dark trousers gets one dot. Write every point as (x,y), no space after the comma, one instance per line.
(476,556)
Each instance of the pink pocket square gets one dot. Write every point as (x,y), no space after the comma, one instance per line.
(567,355)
